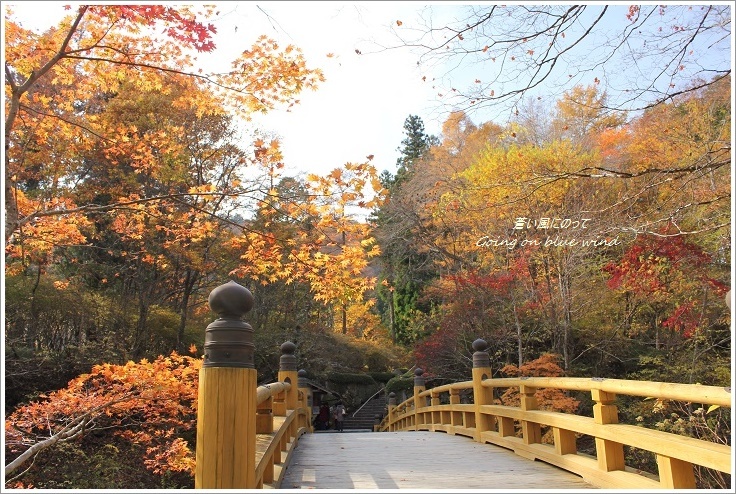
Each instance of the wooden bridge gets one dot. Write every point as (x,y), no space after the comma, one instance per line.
(415,460)
(254,437)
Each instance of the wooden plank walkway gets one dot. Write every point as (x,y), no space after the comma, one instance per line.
(416,460)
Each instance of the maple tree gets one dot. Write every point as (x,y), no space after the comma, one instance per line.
(668,279)
(99,50)
(546,365)
(156,176)
(152,403)
(313,235)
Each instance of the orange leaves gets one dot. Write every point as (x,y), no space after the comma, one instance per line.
(147,402)
(41,237)
(611,142)
(266,76)
(336,175)
(113,50)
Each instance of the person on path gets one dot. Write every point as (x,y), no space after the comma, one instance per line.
(323,420)
(339,415)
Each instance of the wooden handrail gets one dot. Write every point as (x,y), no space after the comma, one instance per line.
(270,390)
(695,393)
(277,431)
(519,427)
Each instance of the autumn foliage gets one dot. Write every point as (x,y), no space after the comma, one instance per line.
(670,271)
(575,238)
(547,365)
(149,403)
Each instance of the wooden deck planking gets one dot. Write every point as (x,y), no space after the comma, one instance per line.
(416,460)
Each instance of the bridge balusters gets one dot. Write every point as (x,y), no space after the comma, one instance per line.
(610,453)
(482,395)
(264,417)
(435,417)
(531,431)
(456,419)
(675,474)
(565,441)
(226,418)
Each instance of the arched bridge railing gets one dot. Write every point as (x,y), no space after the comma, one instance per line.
(520,428)
(245,433)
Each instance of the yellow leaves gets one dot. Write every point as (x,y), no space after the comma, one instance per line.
(45,233)
(202,189)
(257,71)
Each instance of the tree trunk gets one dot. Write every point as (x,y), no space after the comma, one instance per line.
(189,282)
(518,337)
(392,317)
(344,320)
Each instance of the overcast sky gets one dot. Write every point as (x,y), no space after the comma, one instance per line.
(361,107)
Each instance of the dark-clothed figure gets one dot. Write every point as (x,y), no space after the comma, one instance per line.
(339,415)
(323,419)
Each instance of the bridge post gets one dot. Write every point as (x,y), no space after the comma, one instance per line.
(307,398)
(481,394)
(226,407)
(391,411)
(419,401)
(610,453)
(288,373)
(377,422)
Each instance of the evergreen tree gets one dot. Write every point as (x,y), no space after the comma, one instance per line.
(402,273)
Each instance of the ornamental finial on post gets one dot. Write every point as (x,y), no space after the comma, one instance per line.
(418,379)
(481,359)
(303,381)
(228,340)
(288,359)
